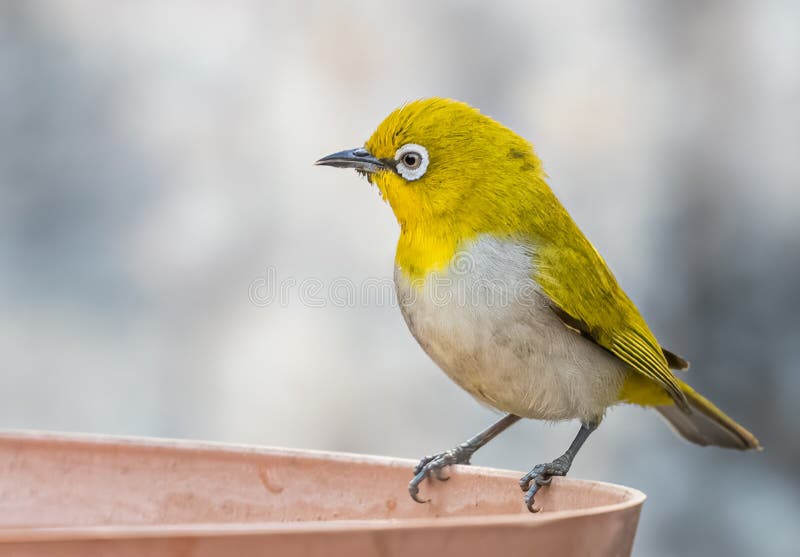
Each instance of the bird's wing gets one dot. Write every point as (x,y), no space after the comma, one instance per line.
(586,297)
(673,360)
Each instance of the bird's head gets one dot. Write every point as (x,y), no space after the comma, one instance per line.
(439,161)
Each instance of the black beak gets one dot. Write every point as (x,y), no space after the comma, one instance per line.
(359,158)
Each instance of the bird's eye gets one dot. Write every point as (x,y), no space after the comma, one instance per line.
(412,161)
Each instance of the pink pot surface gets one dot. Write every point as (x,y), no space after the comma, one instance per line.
(86,495)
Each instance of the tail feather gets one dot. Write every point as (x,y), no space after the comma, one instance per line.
(707,424)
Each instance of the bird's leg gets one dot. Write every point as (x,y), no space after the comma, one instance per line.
(457,455)
(543,473)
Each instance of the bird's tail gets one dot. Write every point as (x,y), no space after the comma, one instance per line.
(707,424)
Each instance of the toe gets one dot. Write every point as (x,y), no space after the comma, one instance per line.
(413,488)
(530,498)
(440,475)
(415,497)
(422,464)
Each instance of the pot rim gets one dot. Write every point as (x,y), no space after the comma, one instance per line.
(632,497)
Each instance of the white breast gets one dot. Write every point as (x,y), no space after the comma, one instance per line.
(484,321)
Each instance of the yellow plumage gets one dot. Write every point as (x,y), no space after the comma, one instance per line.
(488,180)
(473,186)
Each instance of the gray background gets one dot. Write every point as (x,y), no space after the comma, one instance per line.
(155,160)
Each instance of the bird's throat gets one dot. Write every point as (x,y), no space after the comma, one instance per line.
(421,252)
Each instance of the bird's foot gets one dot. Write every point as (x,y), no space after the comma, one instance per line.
(541,475)
(434,466)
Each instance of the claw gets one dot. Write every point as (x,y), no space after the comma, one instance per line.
(413,488)
(433,466)
(530,497)
(540,476)
(538,481)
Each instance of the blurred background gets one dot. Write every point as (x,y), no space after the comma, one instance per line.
(156,176)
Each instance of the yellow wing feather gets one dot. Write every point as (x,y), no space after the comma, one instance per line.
(586,295)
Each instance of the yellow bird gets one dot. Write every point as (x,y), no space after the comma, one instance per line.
(504,292)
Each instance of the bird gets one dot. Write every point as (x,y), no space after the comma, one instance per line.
(507,296)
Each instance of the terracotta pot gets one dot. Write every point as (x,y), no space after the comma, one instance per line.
(87,495)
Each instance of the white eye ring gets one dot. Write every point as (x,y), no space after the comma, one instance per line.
(412,161)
